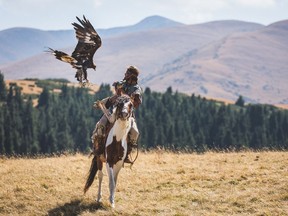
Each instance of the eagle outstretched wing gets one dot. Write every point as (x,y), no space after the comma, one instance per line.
(82,57)
(88,42)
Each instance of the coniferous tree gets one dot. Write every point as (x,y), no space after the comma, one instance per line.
(200,142)
(151,134)
(44,97)
(160,136)
(30,142)
(9,147)
(171,138)
(3,89)
(104,91)
(2,132)
(49,109)
(240,101)
(229,142)
(63,135)
(83,138)
(15,111)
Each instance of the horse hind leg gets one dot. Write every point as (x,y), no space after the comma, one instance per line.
(100,178)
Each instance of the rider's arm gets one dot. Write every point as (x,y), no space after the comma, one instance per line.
(103,101)
(106,112)
(137,100)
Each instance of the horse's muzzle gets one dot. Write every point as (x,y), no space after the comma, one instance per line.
(124,115)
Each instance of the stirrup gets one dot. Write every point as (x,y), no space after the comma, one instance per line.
(133,145)
(127,160)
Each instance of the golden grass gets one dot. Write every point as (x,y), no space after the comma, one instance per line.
(160,183)
(28,86)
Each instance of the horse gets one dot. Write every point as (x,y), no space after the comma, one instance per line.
(115,147)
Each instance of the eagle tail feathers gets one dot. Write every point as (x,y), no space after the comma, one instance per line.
(62,56)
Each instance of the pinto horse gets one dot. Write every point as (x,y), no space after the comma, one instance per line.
(115,147)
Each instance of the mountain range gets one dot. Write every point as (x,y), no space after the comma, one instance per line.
(220,59)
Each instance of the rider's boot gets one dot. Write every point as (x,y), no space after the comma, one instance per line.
(130,146)
(100,147)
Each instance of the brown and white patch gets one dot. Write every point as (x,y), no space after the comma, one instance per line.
(115,152)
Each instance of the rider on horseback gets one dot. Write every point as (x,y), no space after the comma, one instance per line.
(129,85)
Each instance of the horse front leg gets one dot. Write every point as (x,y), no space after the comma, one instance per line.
(113,175)
(100,178)
(112,185)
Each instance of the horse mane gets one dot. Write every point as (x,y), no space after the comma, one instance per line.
(122,98)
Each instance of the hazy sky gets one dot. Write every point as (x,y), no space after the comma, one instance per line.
(58,14)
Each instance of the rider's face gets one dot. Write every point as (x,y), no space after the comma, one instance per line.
(125,76)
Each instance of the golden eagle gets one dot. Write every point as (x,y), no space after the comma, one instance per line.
(82,57)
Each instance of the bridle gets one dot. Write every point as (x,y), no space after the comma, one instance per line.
(124,107)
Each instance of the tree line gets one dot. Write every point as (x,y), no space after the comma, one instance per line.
(64,122)
(178,121)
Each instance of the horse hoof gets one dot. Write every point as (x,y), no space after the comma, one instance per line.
(112,205)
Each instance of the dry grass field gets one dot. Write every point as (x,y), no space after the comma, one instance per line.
(160,183)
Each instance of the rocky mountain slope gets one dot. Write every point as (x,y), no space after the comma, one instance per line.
(253,64)
(222,59)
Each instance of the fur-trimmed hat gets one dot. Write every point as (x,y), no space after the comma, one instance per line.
(132,70)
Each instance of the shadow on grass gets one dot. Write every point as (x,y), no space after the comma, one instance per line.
(75,208)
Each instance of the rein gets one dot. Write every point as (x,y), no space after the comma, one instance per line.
(137,152)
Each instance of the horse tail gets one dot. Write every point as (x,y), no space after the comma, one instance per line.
(92,173)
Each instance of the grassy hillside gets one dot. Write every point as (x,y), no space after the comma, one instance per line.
(160,183)
(35,87)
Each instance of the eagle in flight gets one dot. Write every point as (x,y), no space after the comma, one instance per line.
(82,57)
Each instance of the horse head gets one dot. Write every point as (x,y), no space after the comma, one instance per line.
(124,107)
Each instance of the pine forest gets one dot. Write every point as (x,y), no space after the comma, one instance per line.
(63,122)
